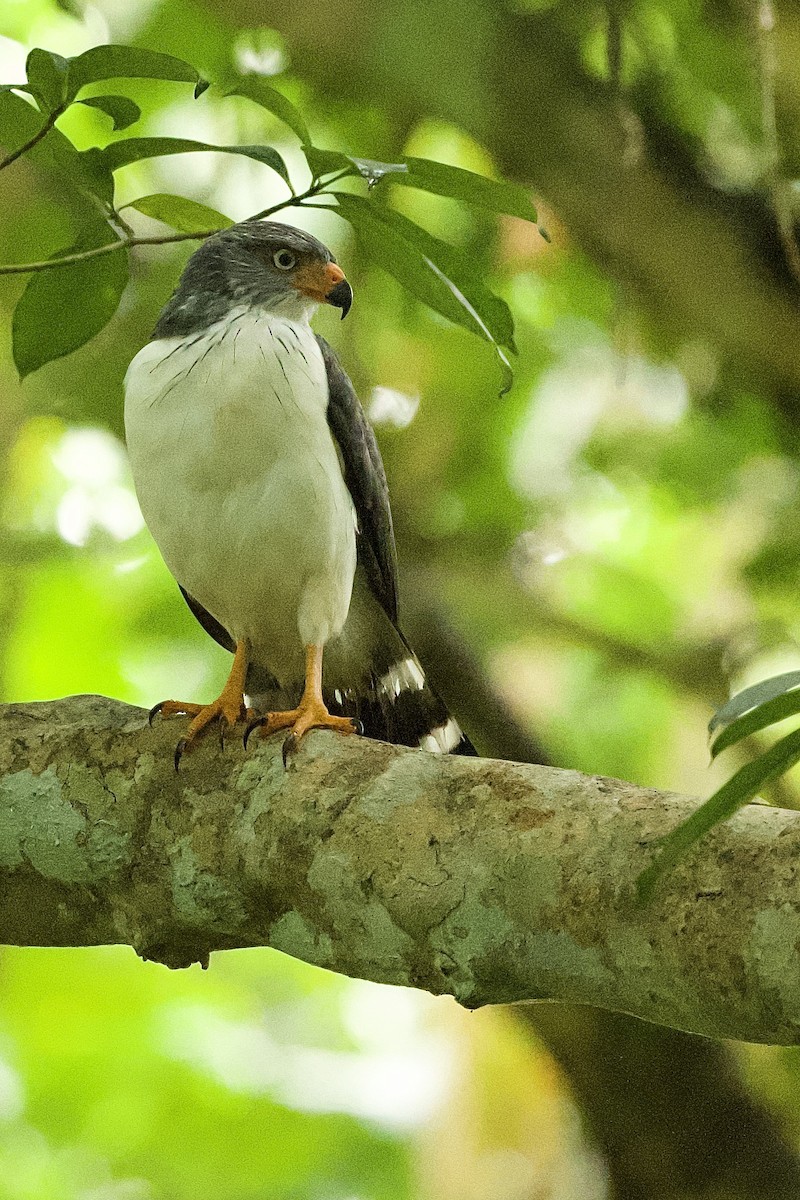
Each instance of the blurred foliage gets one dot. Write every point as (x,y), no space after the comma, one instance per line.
(614,542)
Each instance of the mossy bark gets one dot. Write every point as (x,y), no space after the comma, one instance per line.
(494,882)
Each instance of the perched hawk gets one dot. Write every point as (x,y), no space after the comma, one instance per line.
(262,483)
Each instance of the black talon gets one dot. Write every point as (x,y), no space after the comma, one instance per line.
(289,748)
(179,749)
(358,726)
(256,724)
(154,711)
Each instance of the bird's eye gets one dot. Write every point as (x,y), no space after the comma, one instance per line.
(284,260)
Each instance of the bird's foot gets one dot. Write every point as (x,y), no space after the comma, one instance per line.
(309,714)
(227,710)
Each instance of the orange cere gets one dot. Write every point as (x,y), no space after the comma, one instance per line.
(317,279)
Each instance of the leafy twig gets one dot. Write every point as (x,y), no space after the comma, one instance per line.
(317,187)
(161,239)
(95,252)
(117,218)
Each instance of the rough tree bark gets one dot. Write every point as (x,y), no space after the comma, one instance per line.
(670,1111)
(494,882)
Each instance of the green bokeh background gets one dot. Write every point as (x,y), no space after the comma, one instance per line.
(600,556)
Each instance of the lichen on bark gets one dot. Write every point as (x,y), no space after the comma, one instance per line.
(493,882)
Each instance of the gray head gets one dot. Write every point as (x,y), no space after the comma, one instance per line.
(260,264)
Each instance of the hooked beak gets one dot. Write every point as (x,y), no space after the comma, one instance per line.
(326,285)
(340,294)
(341,297)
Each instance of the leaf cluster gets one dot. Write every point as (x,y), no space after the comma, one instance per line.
(83,282)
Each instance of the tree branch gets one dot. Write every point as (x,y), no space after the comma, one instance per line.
(48,264)
(490,881)
(689,1116)
(127,243)
(673,1114)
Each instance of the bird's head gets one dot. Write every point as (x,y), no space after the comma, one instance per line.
(260,264)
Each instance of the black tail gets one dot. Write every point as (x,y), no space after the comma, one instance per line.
(400,706)
(397,705)
(370,673)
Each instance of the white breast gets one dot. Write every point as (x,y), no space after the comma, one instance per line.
(239,480)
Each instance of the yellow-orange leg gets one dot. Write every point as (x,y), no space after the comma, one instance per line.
(310,713)
(228,708)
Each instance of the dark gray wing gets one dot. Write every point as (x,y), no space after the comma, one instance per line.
(366,482)
(371,670)
(211,625)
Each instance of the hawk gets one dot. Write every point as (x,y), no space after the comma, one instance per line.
(261,481)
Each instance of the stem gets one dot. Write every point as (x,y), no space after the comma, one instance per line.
(109,248)
(314,190)
(116,217)
(37,137)
(162,239)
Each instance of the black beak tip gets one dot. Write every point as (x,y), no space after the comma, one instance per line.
(341,296)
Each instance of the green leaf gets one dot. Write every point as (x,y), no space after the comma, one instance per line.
(492,312)
(739,790)
(254,87)
(787,705)
(130,150)
(329,162)
(755,708)
(433,271)
(95,171)
(374,171)
(188,216)
(47,78)
(61,309)
(751,697)
(429,176)
(123,112)
(126,62)
(19,121)
(492,194)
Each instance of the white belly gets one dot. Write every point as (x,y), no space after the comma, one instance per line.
(239,480)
